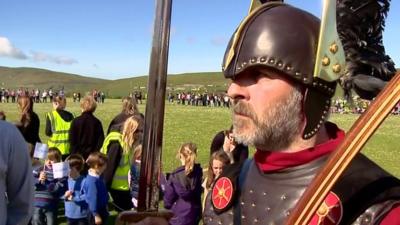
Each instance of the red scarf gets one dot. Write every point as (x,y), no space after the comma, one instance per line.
(273,161)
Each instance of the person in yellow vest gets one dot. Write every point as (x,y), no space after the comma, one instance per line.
(119,149)
(58,123)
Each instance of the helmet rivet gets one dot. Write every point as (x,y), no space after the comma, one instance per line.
(305,79)
(244,63)
(253,60)
(280,64)
(239,67)
(297,73)
(263,59)
(288,68)
(333,48)
(336,68)
(326,61)
(271,61)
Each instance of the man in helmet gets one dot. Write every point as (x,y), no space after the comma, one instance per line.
(281,108)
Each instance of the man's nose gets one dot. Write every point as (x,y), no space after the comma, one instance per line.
(236,92)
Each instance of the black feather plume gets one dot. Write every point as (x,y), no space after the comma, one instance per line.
(360,26)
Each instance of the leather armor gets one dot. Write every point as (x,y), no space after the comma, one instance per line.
(365,192)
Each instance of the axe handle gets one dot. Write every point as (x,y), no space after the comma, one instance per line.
(355,139)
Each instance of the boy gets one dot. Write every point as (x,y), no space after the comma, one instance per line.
(95,189)
(76,208)
(47,190)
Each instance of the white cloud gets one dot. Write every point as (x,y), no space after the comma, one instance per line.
(7,49)
(44,57)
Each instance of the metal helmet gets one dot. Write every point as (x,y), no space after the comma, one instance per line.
(279,36)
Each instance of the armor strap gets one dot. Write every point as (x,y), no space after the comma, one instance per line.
(242,178)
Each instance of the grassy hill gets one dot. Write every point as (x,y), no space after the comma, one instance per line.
(43,79)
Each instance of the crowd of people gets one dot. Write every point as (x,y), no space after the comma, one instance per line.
(11,95)
(198,99)
(102,164)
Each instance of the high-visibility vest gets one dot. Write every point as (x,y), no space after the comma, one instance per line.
(120,178)
(60,132)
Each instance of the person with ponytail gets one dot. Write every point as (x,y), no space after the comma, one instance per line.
(119,148)
(29,122)
(183,190)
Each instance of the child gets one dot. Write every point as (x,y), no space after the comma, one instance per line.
(183,190)
(218,161)
(76,208)
(47,190)
(134,174)
(95,189)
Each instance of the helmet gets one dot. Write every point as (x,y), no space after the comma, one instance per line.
(279,36)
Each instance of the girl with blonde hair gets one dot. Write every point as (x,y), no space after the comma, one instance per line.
(183,190)
(119,149)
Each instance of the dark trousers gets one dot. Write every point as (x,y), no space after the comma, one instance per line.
(122,200)
(91,220)
(81,221)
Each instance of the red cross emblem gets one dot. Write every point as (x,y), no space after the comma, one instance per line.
(330,212)
(222,193)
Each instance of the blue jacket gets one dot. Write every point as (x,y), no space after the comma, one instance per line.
(134,182)
(183,196)
(96,195)
(77,208)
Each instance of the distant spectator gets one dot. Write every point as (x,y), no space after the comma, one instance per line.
(129,108)
(29,122)
(86,133)
(16,181)
(58,123)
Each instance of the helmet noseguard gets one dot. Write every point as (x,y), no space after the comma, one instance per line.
(278,36)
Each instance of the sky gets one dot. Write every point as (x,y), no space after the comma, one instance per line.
(112,39)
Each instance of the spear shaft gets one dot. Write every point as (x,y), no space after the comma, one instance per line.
(154,114)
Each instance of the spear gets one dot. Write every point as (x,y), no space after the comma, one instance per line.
(154,120)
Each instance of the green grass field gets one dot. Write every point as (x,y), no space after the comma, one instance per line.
(200,124)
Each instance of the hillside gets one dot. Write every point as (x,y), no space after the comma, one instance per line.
(210,81)
(40,78)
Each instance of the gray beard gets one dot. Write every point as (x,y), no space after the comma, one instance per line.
(276,130)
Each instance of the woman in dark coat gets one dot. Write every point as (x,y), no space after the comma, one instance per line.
(224,140)
(29,122)
(183,190)
(86,134)
(129,108)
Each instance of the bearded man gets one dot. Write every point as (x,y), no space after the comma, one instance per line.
(280,108)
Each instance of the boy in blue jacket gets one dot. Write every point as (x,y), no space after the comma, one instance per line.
(76,208)
(95,189)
